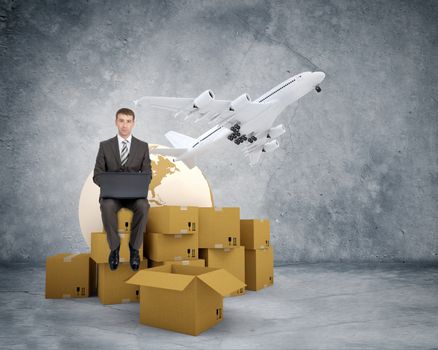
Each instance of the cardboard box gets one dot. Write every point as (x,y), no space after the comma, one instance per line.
(186,299)
(124,220)
(219,227)
(166,247)
(198,262)
(254,234)
(70,276)
(100,249)
(172,220)
(259,268)
(112,286)
(230,259)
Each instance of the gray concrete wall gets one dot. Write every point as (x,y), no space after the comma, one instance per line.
(355,178)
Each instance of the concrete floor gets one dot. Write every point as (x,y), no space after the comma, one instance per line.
(313,306)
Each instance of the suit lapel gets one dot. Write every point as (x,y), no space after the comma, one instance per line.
(115,147)
(132,151)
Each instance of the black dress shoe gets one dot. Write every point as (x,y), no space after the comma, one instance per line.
(134,259)
(113,259)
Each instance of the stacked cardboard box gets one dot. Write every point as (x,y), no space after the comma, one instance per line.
(259,255)
(100,249)
(230,259)
(112,287)
(219,227)
(171,234)
(124,220)
(219,241)
(70,276)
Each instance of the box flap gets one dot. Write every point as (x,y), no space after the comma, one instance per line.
(163,280)
(222,281)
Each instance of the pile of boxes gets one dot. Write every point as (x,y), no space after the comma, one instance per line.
(192,258)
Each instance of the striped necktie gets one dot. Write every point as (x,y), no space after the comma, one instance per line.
(124,155)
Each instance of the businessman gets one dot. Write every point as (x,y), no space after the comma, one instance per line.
(126,153)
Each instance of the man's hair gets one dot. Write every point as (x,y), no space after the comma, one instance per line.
(126,111)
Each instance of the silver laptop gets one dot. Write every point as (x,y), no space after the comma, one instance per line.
(123,185)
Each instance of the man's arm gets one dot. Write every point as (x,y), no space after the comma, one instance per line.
(99,168)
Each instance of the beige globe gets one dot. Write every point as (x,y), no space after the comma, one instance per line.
(173,183)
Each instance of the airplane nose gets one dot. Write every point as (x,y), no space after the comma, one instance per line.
(319,76)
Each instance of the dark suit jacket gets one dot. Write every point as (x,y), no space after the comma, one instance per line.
(108,158)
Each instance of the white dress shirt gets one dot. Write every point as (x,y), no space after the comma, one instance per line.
(121,139)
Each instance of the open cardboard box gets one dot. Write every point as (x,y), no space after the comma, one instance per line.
(186,299)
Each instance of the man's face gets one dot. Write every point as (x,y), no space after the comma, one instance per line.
(125,124)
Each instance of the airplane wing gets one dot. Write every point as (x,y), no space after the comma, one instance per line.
(167,103)
(217,111)
(182,105)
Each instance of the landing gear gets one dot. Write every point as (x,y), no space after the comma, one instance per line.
(252,139)
(235,128)
(238,138)
(317,88)
(241,139)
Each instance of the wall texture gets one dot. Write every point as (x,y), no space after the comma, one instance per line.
(355,178)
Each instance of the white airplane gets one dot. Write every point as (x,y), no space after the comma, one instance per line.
(242,121)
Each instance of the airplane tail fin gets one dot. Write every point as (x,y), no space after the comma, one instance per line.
(175,152)
(181,143)
(179,140)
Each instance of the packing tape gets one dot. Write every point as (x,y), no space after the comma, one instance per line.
(218,245)
(262,247)
(126,300)
(183,231)
(66,296)
(185,262)
(123,259)
(177,236)
(227,250)
(69,258)
(177,258)
(183,208)
(218,209)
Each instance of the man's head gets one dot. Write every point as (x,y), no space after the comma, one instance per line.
(125,121)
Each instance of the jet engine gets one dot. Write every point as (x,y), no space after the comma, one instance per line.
(239,102)
(271,146)
(276,131)
(203,100)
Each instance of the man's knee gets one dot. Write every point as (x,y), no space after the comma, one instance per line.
(141,205)
(109,204)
